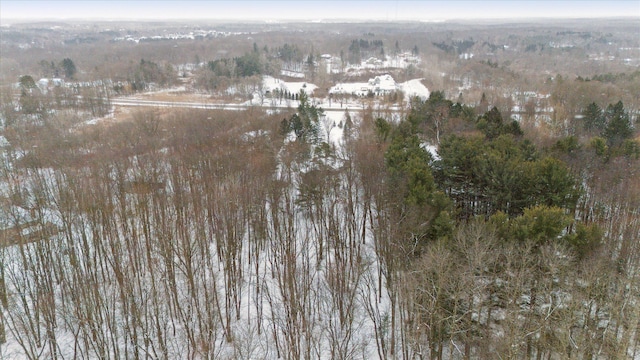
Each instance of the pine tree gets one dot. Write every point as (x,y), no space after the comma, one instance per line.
(306,123)
(492,125)
(593,117)
(69,68)
(618,124)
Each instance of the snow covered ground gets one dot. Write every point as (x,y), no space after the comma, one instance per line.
(90,292)
(413,88)
(272,84)
(380,85)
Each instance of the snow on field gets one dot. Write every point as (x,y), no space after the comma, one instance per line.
(413,88)
(359,89)
(271,84)
(334,121)
(292,74)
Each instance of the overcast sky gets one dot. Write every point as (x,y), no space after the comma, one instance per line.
(316,10)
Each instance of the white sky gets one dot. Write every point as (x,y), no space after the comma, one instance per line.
(317,10)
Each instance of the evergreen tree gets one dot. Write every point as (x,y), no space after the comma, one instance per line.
(618,124)
(492,125)
(29,103)
(412,187)
(69,68)
(383,129)
(431,114)
(538,224)
(248,65)
(593,118)
(26,83)
(348,125)
(483,176)
(306,123)
(482,107)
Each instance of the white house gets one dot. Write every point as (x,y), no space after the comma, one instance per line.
(380,85)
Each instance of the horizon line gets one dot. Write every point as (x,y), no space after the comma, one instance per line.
(309,20)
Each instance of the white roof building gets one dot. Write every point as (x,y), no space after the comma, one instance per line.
(380,85)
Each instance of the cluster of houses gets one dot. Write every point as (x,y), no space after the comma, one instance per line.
(192,35)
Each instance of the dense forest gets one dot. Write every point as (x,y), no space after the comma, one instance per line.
(460,225)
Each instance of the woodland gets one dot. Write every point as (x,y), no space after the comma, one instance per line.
(495,217)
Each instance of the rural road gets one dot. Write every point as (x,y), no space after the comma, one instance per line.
(213,106)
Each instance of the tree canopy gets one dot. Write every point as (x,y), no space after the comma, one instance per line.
(69,68)
(485,175)
(618,126)
(593,118)
(305,124)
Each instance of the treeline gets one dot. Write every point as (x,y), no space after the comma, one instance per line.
(612,78)
(37,104)
(290,53)
(66,68)
(455,47)
(243,66)
(148,73)
(136,77)
(502,244)
(220,74)
(360,49)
